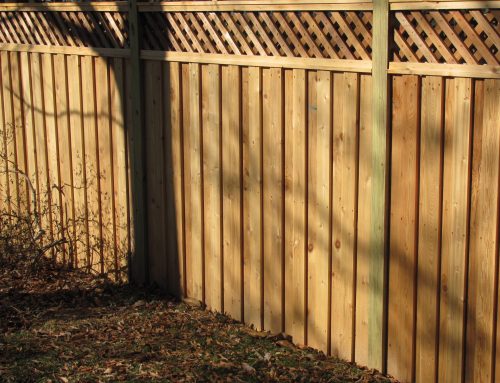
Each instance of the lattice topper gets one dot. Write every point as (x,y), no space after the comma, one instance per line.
(452,37)
(78,29)
(336,35)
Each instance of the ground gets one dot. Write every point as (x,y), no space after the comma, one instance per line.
(60,326)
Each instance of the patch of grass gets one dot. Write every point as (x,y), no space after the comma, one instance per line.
(96,332)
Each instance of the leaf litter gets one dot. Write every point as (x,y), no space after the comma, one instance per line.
(67,326)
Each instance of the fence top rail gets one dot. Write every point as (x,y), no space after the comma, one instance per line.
(190,6)
(445,70)
(358,66)
(442,2)
(78,51)
(256,5)
(402,5)
(207,6)
(97,6)
(247,5)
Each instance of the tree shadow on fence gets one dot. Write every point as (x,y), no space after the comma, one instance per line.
(67,128)
(97,118)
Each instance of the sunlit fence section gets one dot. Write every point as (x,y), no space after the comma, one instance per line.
(326,169)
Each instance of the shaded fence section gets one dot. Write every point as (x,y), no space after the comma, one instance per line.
(63,125)
(269,192)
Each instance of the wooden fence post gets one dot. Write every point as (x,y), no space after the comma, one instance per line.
(380,201)
(139,270)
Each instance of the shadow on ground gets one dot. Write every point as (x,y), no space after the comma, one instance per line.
(62,326)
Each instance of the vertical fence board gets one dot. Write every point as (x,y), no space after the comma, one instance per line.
(12,125)
(78,160)
(27,107)
(455,214)
(211,105)
(8,132)
(169,229)
(156,174)
(40,132)
(119,137)
(243,130)
(363,284)
(231,184)
(272,163)
(429,230)
(296,205)
(91,164)
(136,270)
(177,144)
(18,130)
(319,239)
(252,196)
(105,167)
(192,179)
(404,188)
(344,205)
(4,176)
(483,251)
(195,177)
(64,145)
(52,147)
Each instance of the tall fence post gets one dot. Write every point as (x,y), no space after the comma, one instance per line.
(139,261)
(380,200)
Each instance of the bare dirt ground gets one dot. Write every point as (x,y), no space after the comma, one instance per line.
(60,326)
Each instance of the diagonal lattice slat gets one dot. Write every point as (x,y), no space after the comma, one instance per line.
(79,29)
(451,37)
(336,35)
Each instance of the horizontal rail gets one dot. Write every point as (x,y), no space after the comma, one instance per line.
(264,5)
(432,1)
(78,51)
(403,5)
(247,5)
(101,6)
(445,70)
(177,6)
(358,66)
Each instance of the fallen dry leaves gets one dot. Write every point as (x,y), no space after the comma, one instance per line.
(59,326)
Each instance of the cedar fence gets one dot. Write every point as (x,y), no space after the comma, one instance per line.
(327,169)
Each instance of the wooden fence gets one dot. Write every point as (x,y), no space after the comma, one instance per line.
(327,169)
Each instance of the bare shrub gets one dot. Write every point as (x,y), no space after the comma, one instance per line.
(36,221)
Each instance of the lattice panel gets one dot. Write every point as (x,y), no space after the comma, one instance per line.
(336,35)
(452,37)
(79,29)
